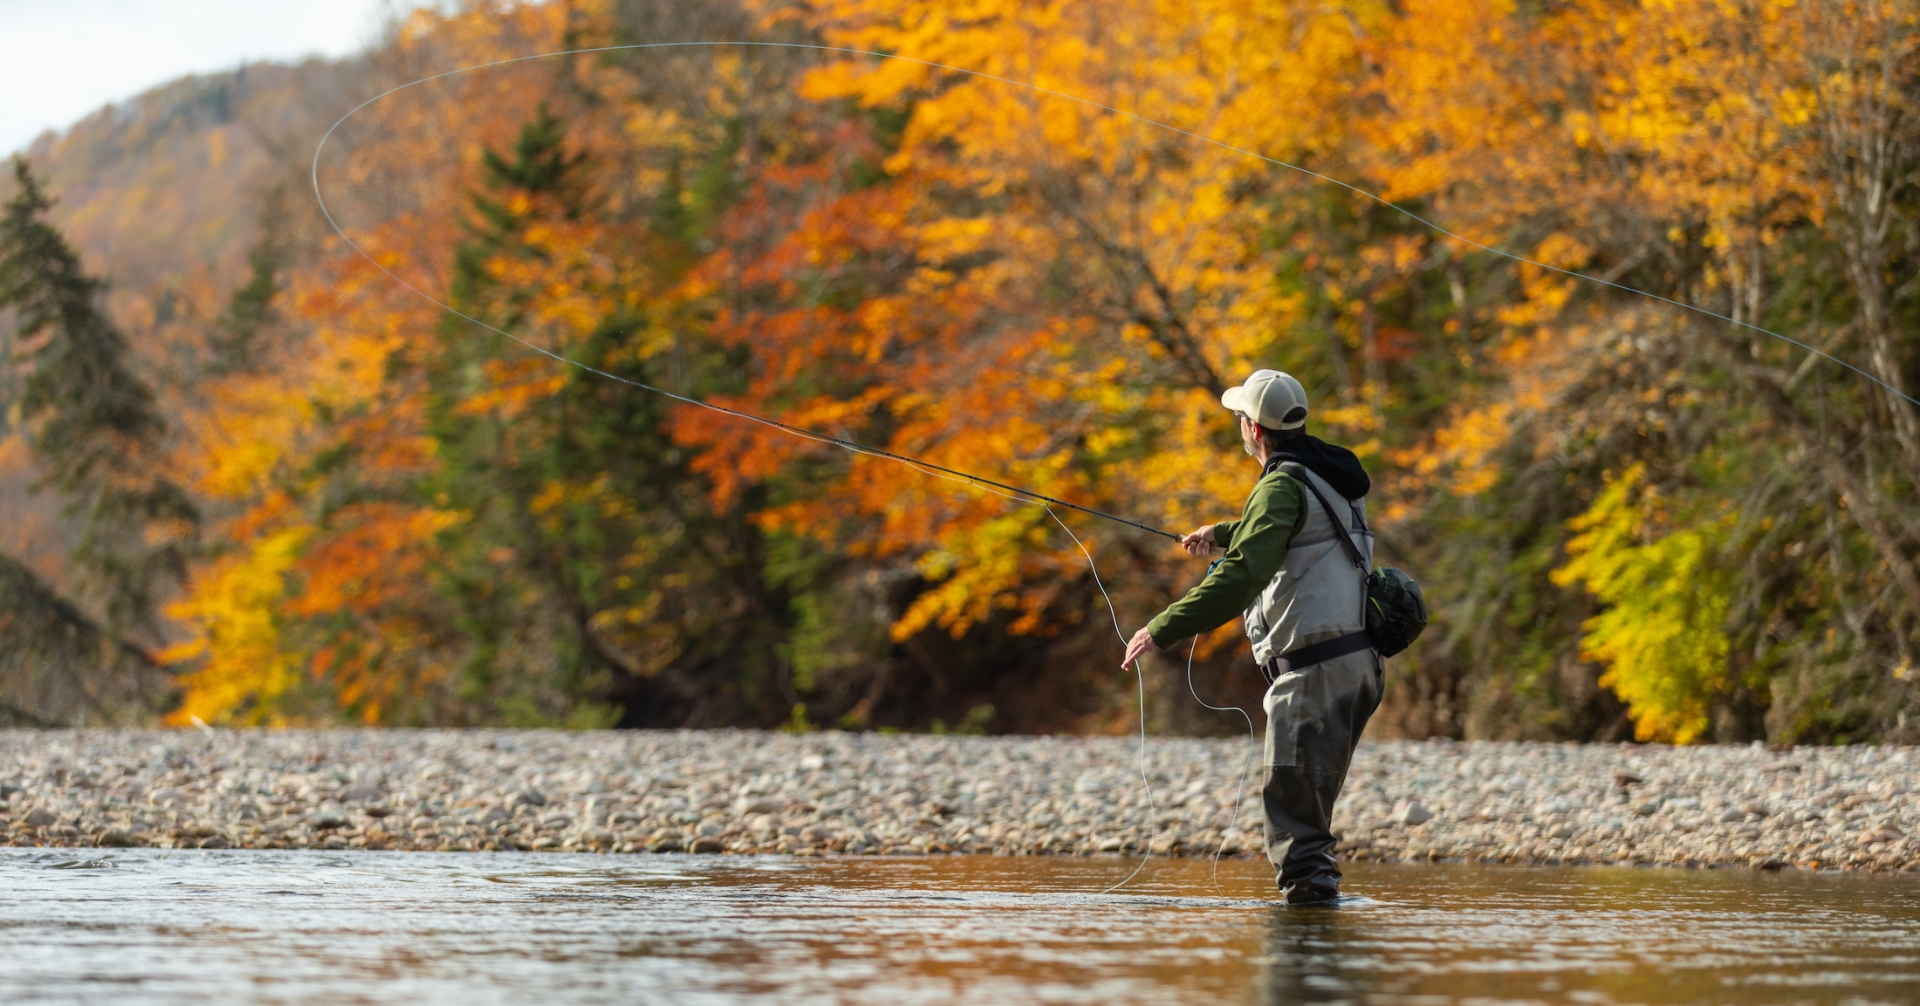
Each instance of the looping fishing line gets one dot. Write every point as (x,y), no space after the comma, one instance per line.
(1037,89)
(1016,493)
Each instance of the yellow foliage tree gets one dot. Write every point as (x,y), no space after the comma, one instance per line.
(1663,635)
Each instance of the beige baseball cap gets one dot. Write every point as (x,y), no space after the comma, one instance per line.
(1267,398)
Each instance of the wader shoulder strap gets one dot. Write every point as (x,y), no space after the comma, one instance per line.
(1299,471)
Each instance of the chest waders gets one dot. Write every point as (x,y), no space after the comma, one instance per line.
(1324,684)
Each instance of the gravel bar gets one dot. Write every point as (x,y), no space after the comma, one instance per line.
(830,793)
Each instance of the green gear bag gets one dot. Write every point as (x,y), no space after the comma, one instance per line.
(1396,610)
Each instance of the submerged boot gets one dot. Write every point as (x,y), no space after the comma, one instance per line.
(1318,891)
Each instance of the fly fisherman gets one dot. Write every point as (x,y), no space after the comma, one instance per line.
(1302,594)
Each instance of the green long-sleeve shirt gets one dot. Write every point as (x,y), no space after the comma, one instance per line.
(1256,546)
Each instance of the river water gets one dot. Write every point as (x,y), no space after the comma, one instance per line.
(144,926)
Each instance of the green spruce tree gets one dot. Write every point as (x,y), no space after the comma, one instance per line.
(97,433)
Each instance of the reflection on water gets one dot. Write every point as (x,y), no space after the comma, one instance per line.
(232,927)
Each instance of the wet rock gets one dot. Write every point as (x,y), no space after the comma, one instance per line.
(707,845)
(39,817)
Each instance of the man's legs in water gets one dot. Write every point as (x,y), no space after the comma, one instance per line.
(1314,718)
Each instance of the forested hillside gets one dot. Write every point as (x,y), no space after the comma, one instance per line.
(342,502)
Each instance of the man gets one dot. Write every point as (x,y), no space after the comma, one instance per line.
(1303,598)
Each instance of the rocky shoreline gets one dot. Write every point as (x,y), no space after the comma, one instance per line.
(838,793)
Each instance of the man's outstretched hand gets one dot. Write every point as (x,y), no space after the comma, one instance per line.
(1200,542)
(1140,643)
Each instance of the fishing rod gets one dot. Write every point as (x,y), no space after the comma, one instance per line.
(859,448)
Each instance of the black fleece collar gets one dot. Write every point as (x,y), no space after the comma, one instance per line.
(1337,465)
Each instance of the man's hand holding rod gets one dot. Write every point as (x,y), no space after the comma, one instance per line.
(1200,542)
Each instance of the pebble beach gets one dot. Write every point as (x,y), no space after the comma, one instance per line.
(829,793)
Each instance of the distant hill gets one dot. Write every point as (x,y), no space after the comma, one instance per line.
(172,179)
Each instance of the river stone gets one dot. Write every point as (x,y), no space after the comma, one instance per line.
(707,845)
(326,818)
(360,794)
(748,806)
(1412,813)
(40,817)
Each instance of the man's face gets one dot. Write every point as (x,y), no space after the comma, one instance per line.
(1249,435)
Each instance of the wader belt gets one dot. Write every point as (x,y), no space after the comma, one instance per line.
(1325,650)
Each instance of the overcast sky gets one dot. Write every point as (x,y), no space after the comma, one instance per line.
(60,59)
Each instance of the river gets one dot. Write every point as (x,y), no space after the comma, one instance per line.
(144,926)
